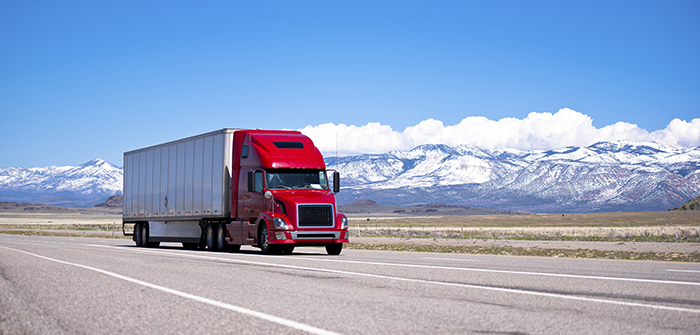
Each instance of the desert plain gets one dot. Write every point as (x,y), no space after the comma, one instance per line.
(651,236)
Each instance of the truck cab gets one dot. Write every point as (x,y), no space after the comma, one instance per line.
(283,194)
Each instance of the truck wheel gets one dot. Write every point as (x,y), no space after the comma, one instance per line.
(334,249)
(264,242)
(145,237)
(137,234)
(141,232)
(210,238)
(221,244)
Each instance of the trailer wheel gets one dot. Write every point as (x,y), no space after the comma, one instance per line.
(334,249)
(137,235)
(144,235)
(210,238)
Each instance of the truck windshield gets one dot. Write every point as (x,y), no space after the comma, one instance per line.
(278,179)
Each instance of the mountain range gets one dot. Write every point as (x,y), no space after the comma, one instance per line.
(606,176)
(67,186)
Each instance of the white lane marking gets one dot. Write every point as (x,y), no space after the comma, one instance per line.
(497,289)
(547,274)
(238,309)
(691,271)
(451,259)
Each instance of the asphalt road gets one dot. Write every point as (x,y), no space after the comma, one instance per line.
(53,285)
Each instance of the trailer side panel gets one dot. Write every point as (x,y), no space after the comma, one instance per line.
(180,180)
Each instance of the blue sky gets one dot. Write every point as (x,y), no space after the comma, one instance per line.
(86,79)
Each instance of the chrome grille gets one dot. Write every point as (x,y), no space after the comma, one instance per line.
(315,215)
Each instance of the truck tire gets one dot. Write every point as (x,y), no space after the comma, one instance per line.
(334,249)
(137,235)
(220,240)
(264,242)
(210,237)
(144,235)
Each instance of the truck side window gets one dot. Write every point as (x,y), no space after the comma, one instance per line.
(244,152)
(258,181)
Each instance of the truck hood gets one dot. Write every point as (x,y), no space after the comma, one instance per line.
(305,196)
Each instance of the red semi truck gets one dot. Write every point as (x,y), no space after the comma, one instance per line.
(233,187)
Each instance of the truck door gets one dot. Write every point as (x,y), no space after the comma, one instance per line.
(251,203)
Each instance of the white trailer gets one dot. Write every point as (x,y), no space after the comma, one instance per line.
(175,185)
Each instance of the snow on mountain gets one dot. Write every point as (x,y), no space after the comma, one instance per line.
(606,176)
(70,186)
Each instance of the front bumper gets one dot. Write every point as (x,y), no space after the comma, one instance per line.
(309,237)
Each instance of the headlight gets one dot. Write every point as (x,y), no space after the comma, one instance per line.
(280,224)
(344,223)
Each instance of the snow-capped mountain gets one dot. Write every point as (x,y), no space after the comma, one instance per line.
(606,176)
(69,186)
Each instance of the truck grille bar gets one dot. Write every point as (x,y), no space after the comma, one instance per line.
(312,216)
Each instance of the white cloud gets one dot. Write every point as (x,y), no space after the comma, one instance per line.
(680,132)
(536,131)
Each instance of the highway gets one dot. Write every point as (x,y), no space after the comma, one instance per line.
(56,285)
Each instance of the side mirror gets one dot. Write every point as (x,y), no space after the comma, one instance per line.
(251,182)
(336,181)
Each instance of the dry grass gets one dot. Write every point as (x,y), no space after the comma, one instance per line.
(538,252)
(673,226)
(62,224)
(621,219)
(23,219)
(636,234)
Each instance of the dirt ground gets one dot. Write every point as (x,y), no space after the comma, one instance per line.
(666,247)
(487,230)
